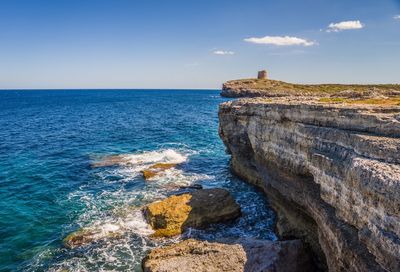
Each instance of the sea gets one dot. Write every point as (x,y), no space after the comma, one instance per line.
(53,182)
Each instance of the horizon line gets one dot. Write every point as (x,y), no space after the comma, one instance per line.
(108,89)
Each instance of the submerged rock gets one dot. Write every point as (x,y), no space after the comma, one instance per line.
(112,160)
(176,189)
(88,235)
(126,220)
(192,187)
(157,169)
(196,209)
(79,238)
(249,255)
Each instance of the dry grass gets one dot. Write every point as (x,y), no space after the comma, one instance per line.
(266,84)
(392,101)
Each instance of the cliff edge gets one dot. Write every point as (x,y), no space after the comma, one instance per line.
(275,88)
(328,160)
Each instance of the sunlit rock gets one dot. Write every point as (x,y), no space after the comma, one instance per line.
(157,169)
(330,171)
(248,255)
(196,209)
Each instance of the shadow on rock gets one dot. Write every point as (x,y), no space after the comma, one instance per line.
(245,254)
(197,209)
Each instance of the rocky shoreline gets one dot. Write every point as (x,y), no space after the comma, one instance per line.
(331,171)
(171,220)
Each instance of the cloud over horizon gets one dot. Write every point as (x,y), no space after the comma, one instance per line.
(396,17)
(280,41)
(345,25)
(223,53)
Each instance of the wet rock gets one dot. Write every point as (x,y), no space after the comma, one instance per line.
(247,255)
(126,220)
(86,236)
(173,186)
(196,209)
(191,187)
(157,169)
(112,160)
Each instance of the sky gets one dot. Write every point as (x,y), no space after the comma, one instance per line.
(196,44)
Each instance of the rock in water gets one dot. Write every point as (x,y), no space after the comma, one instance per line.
(84,236)
(112,160)
(247,255)
(79,238)
(196,209)
(156,169)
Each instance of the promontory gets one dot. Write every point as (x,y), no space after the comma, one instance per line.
(328,159)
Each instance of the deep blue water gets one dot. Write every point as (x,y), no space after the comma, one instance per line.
(49,141)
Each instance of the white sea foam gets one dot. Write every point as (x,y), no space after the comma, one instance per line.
(114,217)
(131,165)
(165,156)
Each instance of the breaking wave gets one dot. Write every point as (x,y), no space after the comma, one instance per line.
(68,166)
(113,217)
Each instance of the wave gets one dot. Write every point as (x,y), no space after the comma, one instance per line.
(112,211)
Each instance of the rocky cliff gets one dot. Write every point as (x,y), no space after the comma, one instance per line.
(331,171)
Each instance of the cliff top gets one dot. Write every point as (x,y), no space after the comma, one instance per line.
(381,94)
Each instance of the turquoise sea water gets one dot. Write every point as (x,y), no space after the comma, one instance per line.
(49,141)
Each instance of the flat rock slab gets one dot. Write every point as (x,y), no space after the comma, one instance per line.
(196,209)
(247,254)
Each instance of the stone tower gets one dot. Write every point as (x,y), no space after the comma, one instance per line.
(262,74)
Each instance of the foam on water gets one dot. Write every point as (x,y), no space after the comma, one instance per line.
(114,218)
(116,223)
(58,174)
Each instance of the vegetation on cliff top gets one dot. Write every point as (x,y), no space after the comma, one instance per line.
(380,94)
(391,101)
(267,84)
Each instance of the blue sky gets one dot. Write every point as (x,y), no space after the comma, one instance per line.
(196,44)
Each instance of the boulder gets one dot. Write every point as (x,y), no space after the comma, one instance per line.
(157,169)
(196,209)
(246,254)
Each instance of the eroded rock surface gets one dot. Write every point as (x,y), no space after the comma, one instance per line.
(247,255)
(196,209)
(332,173)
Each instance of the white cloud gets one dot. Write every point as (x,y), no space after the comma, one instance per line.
(221,52)
(345,25)
(396,17)
(280,41)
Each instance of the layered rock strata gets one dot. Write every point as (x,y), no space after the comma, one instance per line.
(248,255)
(331,172)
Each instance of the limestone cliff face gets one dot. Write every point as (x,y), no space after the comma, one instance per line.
(331,172)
